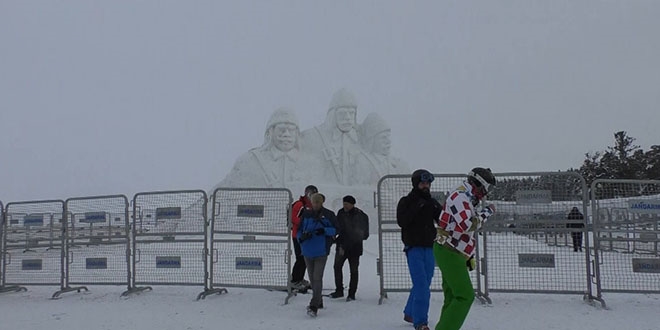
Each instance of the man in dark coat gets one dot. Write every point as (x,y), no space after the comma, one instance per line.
(352,229)
(577,226)
(416,214)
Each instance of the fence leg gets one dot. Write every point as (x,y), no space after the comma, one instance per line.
(12,288)
(136,290)
(57,294)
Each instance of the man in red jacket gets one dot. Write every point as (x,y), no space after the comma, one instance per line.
(298,281)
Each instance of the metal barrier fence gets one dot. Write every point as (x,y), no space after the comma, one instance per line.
(98,250)
(391,265)
(250,239)
(626,223)
(530,244)
(33,244)
(169,240)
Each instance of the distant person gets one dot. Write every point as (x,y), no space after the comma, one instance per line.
(455,245)
(577,226)
(298,281)
(352,229)
(417,214)
(315,235)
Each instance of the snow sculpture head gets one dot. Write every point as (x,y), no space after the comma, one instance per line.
(282,130)
(343,107)
(375,135)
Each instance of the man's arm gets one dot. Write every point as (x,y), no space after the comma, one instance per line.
(405,213)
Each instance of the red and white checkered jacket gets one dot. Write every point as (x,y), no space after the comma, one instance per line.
(458,218)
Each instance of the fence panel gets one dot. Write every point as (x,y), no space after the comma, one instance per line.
(528,242)
(392,266)
(169,239)
(98,240)
(250,239)
(626,223)
(33,243)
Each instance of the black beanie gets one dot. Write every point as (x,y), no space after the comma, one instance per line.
(349,199)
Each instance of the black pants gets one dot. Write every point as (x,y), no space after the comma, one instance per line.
(577,240)
(298,272)
(353,264)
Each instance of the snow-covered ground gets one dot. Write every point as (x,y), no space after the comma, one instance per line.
(176,308)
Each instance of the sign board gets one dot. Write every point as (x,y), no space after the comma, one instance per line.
(250,211)
(93,217)
(249,263)
(640,265)
(533,260)
(96,263)
(644,206)
(33,220)
(31,264)
(533,197)
(168,213)
(168,262)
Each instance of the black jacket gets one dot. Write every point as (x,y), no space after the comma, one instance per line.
(417,214)
(352,228)
(575,215)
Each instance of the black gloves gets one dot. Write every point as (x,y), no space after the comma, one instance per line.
(308,234)
(305,236)
(471,264)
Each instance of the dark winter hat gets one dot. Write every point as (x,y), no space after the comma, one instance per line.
(311,189)
(349,199)
(421,175)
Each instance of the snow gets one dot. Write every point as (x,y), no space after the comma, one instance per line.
(175,307)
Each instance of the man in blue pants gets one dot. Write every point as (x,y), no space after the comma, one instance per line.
(417,214)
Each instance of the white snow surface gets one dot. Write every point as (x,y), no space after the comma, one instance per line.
(175,307)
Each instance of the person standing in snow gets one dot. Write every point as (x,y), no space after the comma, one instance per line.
(352,229)
(455,245)
(315,234)
(577,226)
(417,214)
(298,281)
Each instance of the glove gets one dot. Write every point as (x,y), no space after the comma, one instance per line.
(305,236)
(471,264)
(475,223)
(319,231)
(442,233)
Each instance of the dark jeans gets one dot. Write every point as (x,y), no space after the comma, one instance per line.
(353,264)
(298,272)
(577,240)
(315,269)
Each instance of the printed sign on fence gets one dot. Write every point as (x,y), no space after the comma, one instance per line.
(533,196)
(96,263)
(249,263)
(646,265)
(93,217)
(644,206)
(536,260)
(250,211)
(171,213)
(168,262)
(33,220)
(31,264)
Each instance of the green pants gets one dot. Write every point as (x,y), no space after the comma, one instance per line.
(456,286)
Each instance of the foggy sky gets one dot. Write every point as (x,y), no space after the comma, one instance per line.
(125,96)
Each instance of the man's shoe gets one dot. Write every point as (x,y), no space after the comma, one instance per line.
(407,318)
(422,327)
(350,298)
(337,294)
(312,311)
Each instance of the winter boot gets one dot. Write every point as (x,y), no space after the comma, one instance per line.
(337,294)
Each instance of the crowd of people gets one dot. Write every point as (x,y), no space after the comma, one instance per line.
(433,234)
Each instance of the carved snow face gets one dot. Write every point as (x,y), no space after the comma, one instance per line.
(382,143)
(345,118)
(284,136)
